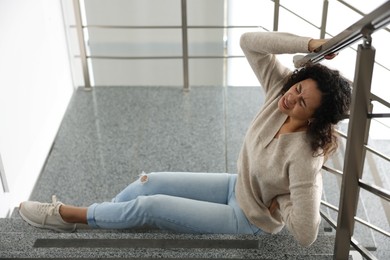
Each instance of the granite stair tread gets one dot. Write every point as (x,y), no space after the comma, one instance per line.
(20,240)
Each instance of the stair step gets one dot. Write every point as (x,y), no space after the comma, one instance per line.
(16,224)
(25,245)
(21,240)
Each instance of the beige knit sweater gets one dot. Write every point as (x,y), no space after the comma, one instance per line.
(282,167)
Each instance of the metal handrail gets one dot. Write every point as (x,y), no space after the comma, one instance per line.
(160,57)
(166,26)
(332,170)
(378,191)
(356,10)
(374,189)
(361,221)
(361,249)
(377,153)
(359,124)
(368,148)
(373,21)
(380,100)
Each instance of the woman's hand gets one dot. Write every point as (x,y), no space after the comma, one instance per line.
(274,206)
(315,43)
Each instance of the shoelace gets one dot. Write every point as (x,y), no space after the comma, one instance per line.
(48,209)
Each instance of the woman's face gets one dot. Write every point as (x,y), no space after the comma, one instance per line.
(301,100)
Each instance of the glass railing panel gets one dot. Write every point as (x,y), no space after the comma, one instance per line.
(133,12)
(290,22)
(380,41)
(369,205)
(365,6)
(380,82)
(206,42)
(251,12)
(206,72)
(301,7)
(342,16)
(379,139)
(205,12)
(117,42)
(150,72)
(239,73)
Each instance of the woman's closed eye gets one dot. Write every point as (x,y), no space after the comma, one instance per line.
(299,88)
(299,91)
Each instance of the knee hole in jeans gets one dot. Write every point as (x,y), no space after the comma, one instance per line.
(143,178)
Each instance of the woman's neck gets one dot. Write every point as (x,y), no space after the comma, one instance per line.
(291,126)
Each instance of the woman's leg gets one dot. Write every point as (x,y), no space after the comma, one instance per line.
(211,187)
(180,214)
(163,211)
(72,214)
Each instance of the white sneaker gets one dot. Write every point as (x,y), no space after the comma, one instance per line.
(45,215)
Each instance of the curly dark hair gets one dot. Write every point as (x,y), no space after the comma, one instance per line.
(336,98)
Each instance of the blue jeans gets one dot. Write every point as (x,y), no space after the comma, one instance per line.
(177,201)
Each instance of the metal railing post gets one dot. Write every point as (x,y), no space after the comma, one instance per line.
(184,30)
(325,7)
(3,178)
(358,130)
(83,51)
(276,15)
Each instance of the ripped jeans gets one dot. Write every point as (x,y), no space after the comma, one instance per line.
(177,201)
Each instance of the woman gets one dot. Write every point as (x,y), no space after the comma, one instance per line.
(278,182)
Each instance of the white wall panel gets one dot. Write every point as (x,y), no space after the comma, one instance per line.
(35,88)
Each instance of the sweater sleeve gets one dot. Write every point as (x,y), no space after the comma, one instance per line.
(300,208)
(260,49)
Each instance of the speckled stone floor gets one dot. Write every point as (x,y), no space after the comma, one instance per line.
(111,134)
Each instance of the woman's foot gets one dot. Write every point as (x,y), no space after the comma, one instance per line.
(45,215)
